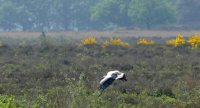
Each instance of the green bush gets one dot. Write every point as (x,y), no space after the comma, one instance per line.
(8,102)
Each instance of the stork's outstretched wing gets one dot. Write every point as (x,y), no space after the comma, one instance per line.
(110,78)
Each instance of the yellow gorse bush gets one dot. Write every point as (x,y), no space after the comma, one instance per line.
(89,41)
(145,42)
(194,41)
(176,42)
(117,42)
(106,43)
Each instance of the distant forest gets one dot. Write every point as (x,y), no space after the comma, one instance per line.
(78,15)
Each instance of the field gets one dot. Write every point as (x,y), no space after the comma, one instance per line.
(57,72)
(113,33)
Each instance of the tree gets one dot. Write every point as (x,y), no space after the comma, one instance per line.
(152,12)
(74,14)
(7,13)
(111,12)
(189,11)
(43,15)
(34,14)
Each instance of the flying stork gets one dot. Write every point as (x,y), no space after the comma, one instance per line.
(110,78)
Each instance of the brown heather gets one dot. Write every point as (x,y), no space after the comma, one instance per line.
(57,73)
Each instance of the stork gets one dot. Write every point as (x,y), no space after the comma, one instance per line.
(110,78)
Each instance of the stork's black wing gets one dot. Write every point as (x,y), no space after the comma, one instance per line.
(106,83)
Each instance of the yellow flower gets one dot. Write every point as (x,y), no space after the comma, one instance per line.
(125,44)
(89,41)
(176,42)
(106,43)
(194,41)
(117,42)
(171,42)
(145,42)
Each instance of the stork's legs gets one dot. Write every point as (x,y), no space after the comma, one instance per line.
(100,91)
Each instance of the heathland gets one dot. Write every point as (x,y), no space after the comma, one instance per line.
(61,72)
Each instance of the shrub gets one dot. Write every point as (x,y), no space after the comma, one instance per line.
(194,41)
(43,40)
(116,42)
(145,42)
(176,42)
(89,41)
(7,102)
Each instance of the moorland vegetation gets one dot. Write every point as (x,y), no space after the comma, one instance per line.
(55,73)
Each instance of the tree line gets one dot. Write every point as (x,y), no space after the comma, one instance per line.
(58,15)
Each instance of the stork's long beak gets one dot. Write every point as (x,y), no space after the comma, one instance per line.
(123,78)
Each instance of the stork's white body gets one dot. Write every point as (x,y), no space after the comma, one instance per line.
(110,78)
(114,74)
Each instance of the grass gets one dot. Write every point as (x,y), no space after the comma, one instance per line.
(99,34)
(58,73)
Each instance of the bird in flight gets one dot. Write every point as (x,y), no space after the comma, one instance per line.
(110,78)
